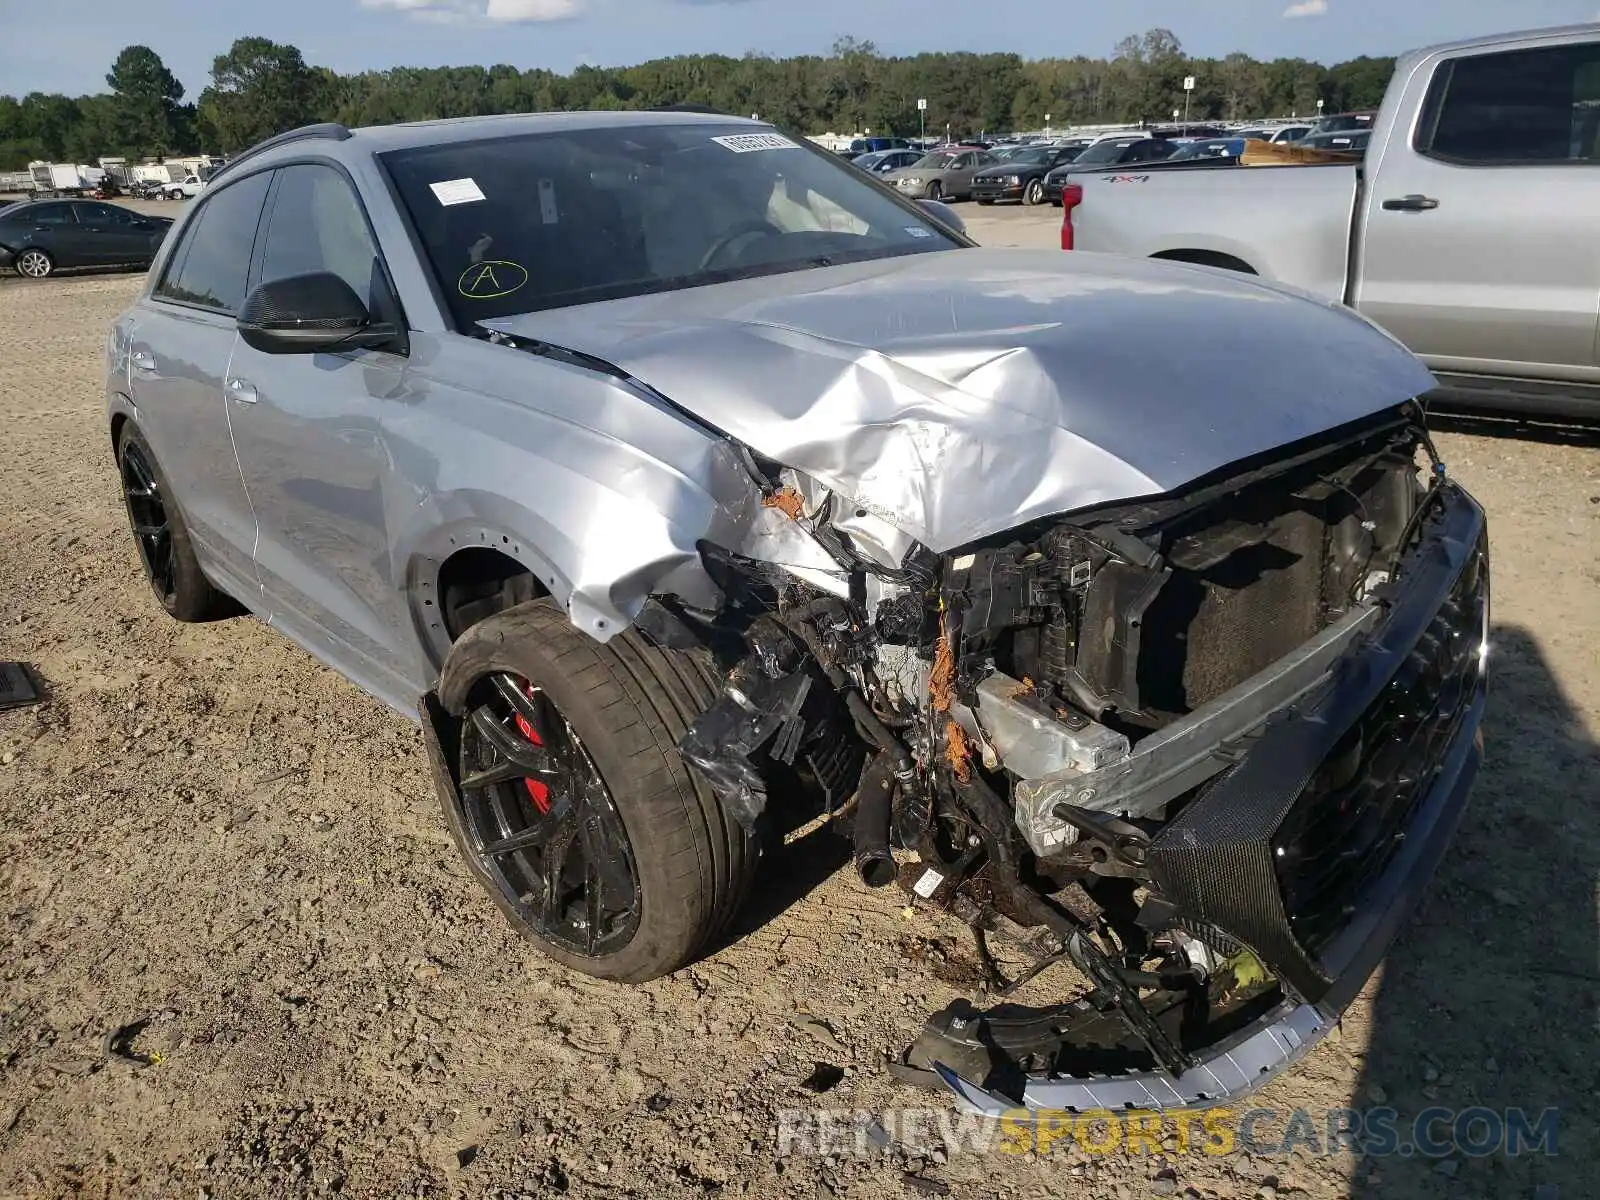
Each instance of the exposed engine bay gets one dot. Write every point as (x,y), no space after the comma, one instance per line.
(1017,730)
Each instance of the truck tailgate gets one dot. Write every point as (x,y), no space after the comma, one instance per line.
(1290,224)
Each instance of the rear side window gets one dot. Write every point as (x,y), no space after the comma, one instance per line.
(1517,107)
(50,214)
(209,267)
(317,224)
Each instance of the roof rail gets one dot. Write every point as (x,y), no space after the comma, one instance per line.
(325,129)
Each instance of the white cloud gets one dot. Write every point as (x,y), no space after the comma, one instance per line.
(1306,8)
(501,12)
(530,10)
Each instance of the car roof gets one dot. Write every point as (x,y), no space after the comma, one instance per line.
(1506,40)
(383,139)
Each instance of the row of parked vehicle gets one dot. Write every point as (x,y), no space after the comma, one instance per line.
(1032,172)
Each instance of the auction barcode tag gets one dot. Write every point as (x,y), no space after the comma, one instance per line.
(928,884)
(744,143)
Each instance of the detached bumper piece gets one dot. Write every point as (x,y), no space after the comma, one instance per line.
(1312,850)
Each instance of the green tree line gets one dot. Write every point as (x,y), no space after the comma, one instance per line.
(260,87)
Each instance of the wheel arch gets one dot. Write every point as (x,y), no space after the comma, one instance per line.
(467,574)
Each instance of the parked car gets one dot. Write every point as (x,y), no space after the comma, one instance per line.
(871,145)
(1350,141)
(765,490)
(1020,176)
(38,236)
(1122,150)
(1344,122)
(1208,148)
(1288,133)
(942,175)
(1444,235)
(882,162)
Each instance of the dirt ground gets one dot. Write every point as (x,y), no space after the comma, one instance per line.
(222,850)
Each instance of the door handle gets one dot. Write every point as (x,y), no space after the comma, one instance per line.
(1411,203)
(144,360)
(242,390)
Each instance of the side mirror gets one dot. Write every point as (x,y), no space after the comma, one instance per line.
(309,314)
(945,215)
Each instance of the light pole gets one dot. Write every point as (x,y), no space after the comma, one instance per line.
(1047,124)
(1188,90)
(922,118)
(1319,110)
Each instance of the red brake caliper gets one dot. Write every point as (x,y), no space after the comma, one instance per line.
(538,791)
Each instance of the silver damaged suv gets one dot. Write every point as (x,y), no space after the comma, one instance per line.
(687,484)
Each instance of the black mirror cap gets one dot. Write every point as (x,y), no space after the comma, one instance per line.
(308,314)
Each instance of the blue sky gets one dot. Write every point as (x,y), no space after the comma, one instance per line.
(67,45)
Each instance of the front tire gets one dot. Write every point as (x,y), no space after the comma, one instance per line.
(161,536)
(576,810)
(934,191)
(1034,195)
(35,263)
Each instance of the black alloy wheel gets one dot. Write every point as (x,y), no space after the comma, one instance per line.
(541,821)
(147,516)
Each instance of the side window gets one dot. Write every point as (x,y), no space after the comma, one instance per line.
(209,268)
(51,214)
(103,216)
(1517,107)
(316,224)
(962,162)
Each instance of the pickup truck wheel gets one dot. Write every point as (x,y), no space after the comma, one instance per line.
(175,194)
(1034,196)
(575,809)
(161,536)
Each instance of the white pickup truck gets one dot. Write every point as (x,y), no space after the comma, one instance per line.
(1471,232)
(186,188)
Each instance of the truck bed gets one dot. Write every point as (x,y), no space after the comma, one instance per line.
(1285,223)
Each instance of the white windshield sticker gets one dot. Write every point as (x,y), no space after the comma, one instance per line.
(744,143)
(456,191)
(918,231)
(547,202)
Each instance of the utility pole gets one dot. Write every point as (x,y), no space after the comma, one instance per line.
(922,119)
(1188,90)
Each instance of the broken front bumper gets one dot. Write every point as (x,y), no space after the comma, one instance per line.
(1315,848)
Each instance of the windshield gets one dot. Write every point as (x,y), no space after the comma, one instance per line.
(1104,152)
(518,224)
(934,162)
(1030,156)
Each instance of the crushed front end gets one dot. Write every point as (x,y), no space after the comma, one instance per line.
(1206,748)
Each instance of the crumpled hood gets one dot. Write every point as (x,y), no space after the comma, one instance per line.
(960,394)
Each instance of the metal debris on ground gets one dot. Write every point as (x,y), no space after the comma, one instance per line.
(19,686)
